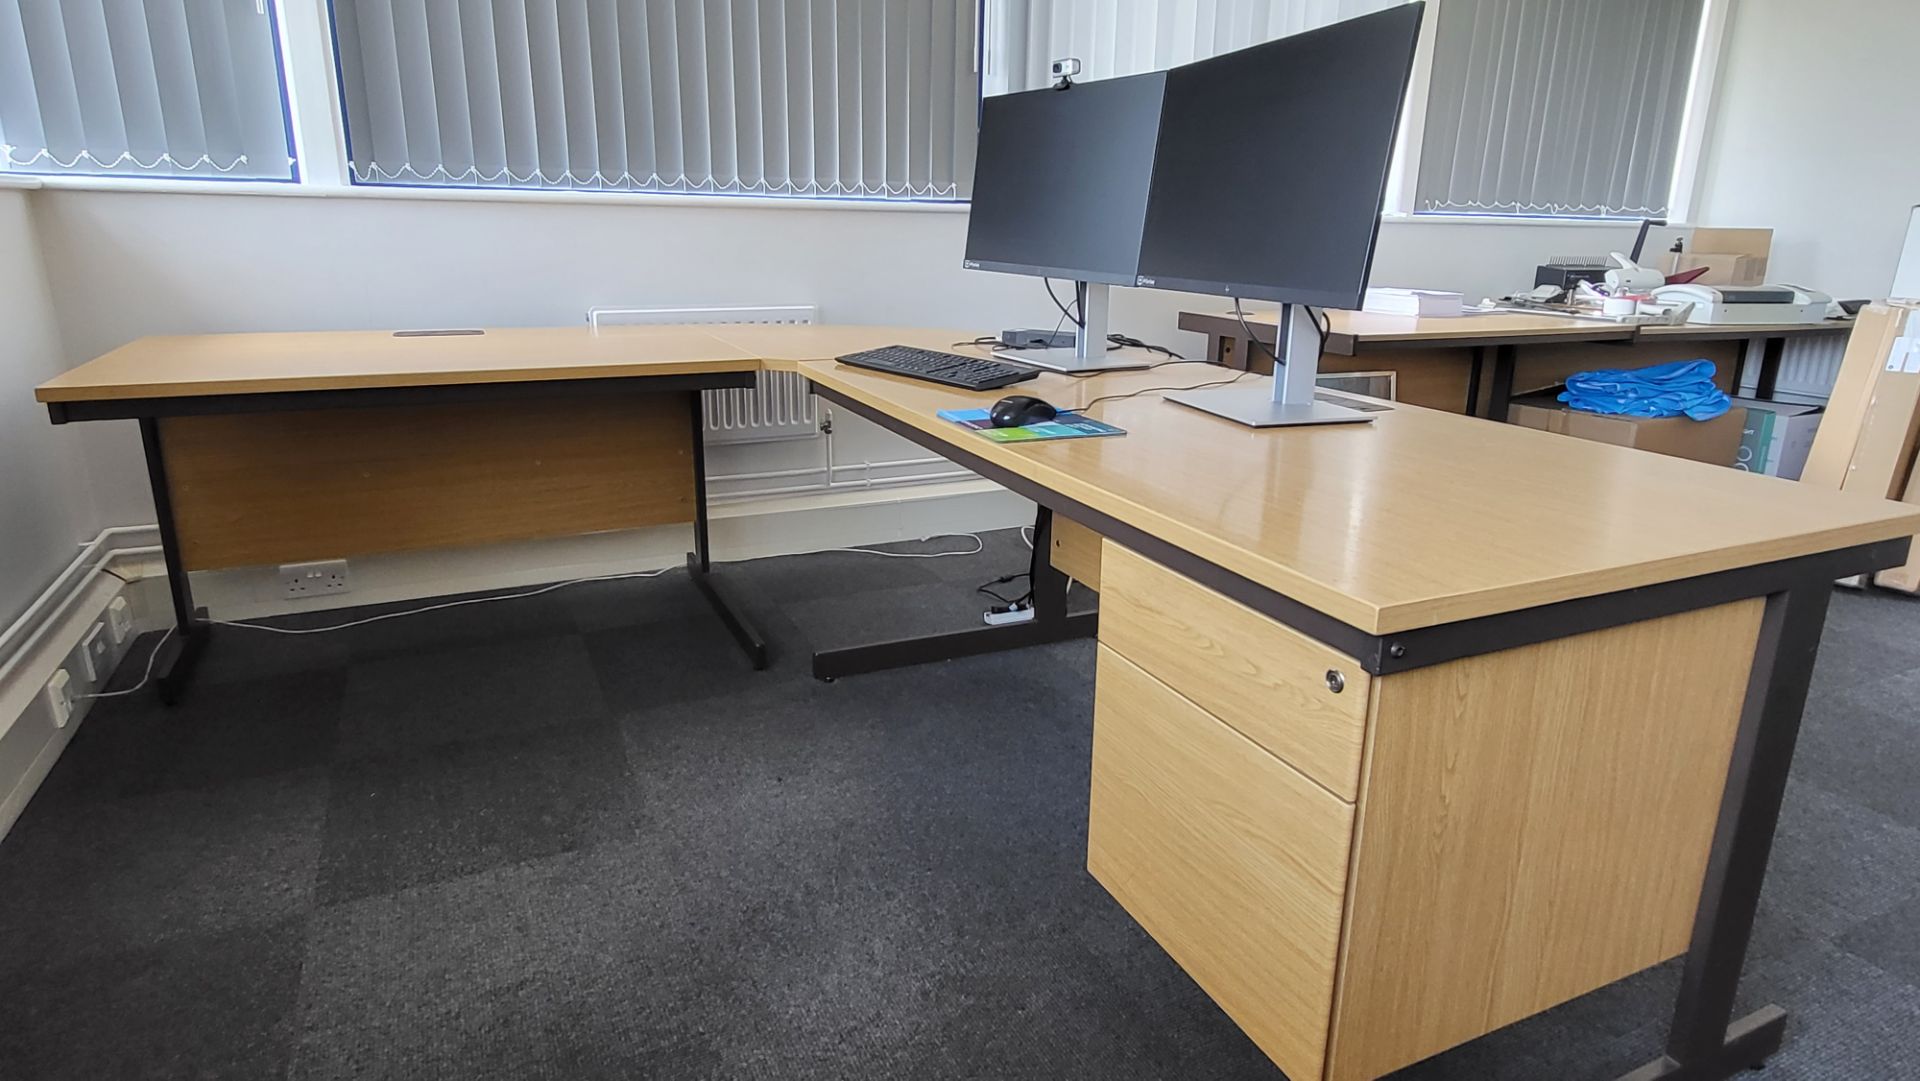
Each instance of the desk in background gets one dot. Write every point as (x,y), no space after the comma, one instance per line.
(1477,364)
(1385,763)
(265,449)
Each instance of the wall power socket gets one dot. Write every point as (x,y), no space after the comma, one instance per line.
(300,580)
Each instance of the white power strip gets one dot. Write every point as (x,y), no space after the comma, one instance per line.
(997,617)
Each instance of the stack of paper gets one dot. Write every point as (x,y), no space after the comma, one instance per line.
(1412,302)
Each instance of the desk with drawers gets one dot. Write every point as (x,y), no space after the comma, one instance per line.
(1384,757)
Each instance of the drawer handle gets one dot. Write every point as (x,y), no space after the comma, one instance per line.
(1335,681)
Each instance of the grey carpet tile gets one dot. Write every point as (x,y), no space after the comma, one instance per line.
(1866,747)
(1844,864)
(230,731)
(466,692)
(242,653)
(100,878)
(834,574)
(204,1007)
(1891,940)
(625,602)
(686,869)
(452,810)
(659,664)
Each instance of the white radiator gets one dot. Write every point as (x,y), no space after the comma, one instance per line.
(777,408)
(1809,365)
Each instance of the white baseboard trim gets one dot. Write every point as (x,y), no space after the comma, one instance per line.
(750,529)
(48,637)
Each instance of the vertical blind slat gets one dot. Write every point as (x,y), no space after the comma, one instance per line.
(141,87)
(1542,107)
(870,98)
(1126,37)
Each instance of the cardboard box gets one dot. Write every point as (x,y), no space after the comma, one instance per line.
(1777,436)
(1731,256)
(1866,442)
(1716,441)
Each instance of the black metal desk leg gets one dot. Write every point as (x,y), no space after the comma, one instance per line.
(1770,357)
(1706,1043)
(1479,355)
(699,562)
(1502,396)
(180,650)
(1050,623)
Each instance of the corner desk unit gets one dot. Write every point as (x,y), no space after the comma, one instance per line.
(1444,363)
(1385,758)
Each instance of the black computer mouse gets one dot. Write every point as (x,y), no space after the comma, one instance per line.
(1017,410)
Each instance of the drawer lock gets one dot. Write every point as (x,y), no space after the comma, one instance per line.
(1335,681)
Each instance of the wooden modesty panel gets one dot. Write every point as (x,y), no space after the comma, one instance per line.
(1230,858)
(266,488)
(1534,824)
(1076,551)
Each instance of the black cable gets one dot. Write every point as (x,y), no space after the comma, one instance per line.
(1320,329)
(1003,580)
(1078,320)
(1148,390)
(118,575)
(1130,342)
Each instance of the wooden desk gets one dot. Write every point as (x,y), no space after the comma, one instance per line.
(1387,758)
(283,448)
(1476,364)
(1402,731)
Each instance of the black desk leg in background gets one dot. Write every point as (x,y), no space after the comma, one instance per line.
(1502,396)
(1050,623)
(1479,354)
(1770,357)
(176,655)
(699,563)
(1706,1042)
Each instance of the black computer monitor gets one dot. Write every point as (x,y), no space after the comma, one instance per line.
(1061,178)
(1271,165)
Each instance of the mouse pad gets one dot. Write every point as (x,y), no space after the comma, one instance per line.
(1064,426)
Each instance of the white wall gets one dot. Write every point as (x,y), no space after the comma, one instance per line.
(125,264)
(1813,135)
(45,506)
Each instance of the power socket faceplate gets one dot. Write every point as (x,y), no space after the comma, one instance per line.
(96,651)
(60,698)
(313,579)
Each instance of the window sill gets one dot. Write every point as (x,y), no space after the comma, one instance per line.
(476,195)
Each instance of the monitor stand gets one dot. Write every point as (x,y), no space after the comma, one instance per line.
(1089,352)
(1286,400)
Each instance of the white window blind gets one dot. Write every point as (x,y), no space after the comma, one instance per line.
(142,87)
(1568,107)
(1126,37)
(864,98)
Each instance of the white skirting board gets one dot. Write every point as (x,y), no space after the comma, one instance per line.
(49,637)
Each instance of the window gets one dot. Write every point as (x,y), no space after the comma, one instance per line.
(1556,107)
(863,98)
(171,88)
(1132,36)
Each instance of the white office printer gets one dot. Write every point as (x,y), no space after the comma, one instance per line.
(1737,304)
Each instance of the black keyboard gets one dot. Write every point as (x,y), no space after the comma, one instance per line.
(973,373)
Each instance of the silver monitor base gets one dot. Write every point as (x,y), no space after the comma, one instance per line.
(1254,407)
(1068,360)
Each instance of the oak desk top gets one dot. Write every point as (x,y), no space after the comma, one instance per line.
(1417,519)
(174,367)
